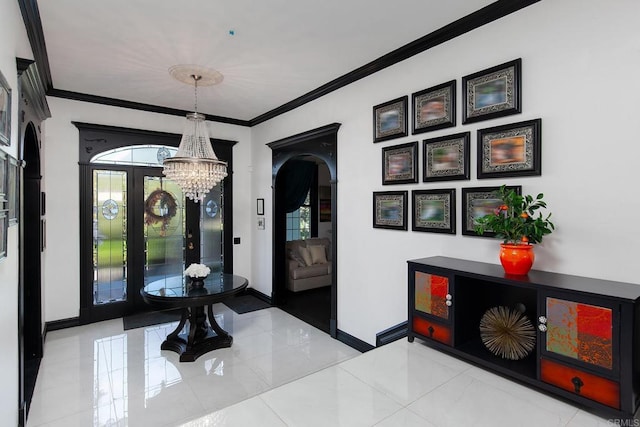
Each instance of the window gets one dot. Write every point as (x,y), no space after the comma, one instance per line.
(299,221)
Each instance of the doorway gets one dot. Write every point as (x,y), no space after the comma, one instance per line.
(319,144)
(137,226)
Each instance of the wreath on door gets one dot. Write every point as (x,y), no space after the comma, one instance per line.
(160,207)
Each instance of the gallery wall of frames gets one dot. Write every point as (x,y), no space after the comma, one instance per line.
(507,151)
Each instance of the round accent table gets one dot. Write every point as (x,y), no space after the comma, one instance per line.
(201,336)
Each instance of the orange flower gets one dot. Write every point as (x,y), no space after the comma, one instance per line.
(524,215)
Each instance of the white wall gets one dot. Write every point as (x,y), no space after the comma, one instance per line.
(13,43)
(580,64)
(61,173)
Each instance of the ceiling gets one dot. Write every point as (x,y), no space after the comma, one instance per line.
(269,52)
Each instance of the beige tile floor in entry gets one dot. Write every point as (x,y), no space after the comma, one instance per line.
(279,372)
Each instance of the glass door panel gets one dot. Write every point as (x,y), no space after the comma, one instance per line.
(109,236)
(164,225)
(211,230)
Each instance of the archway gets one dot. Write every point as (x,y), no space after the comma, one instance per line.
(30,292)
(320,143)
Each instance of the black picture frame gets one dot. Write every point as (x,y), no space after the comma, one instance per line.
(434,211)
(260,206)
(13,191)
(494,92)
(390,119)
(400,164)
(5,111)
(4,219)
(477,202)
(390,210)
(434,108)
(446,158)
(510,150)
(4,226)
(4,172)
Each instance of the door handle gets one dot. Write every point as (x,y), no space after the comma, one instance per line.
(190,246)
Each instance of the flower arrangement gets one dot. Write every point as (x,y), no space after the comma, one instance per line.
(515,221)
(197,270)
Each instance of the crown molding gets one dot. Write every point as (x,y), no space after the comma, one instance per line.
(76,96)
(490,13)
(487,14)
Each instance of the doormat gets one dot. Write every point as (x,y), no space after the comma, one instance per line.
(150,318)
(245,304)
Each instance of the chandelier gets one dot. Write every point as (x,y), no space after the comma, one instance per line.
(195,167)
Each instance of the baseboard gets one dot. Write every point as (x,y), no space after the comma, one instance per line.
(392,334)
(353,342)
(258,294)
(61,324)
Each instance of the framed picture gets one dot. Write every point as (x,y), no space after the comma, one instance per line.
(491,93)
(4,224)
(260,206)
(509,150)
(446,158)
(390,120)
(478,202)
(400,164)
(390,210)
(434,211)
(5,111)
(325,210)
(4,171)
(13,191)
(434,108)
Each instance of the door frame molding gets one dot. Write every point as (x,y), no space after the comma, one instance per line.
(322,143)
(95,139)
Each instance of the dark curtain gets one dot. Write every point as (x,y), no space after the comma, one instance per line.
(297,176)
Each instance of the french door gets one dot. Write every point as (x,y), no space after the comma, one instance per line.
(144,230)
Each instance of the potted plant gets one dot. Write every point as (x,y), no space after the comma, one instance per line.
(520,225)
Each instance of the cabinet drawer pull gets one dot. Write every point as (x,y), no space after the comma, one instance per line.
(577,384)
(542,327)
(431,331)
(448,303)
(448,297)
(542,319)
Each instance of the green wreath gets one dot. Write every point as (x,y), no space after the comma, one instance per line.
(167,201)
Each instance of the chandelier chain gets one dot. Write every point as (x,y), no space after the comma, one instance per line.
(195,90)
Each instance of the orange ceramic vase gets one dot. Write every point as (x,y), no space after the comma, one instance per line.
(516,259)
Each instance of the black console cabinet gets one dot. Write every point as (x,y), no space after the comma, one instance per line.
(587,346)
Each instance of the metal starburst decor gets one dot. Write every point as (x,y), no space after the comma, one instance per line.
(507,333)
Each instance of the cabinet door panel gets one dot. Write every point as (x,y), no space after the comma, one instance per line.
(431,292)
(580,331)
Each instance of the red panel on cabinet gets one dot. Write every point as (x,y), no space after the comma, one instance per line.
(580,331)
(432,330)
(581,383)
(431,293)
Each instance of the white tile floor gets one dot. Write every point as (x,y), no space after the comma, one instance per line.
(279,372)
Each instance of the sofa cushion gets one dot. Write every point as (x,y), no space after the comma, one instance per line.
(306,255)
(311,271)
(318,254)
(319,241)
(295,255)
